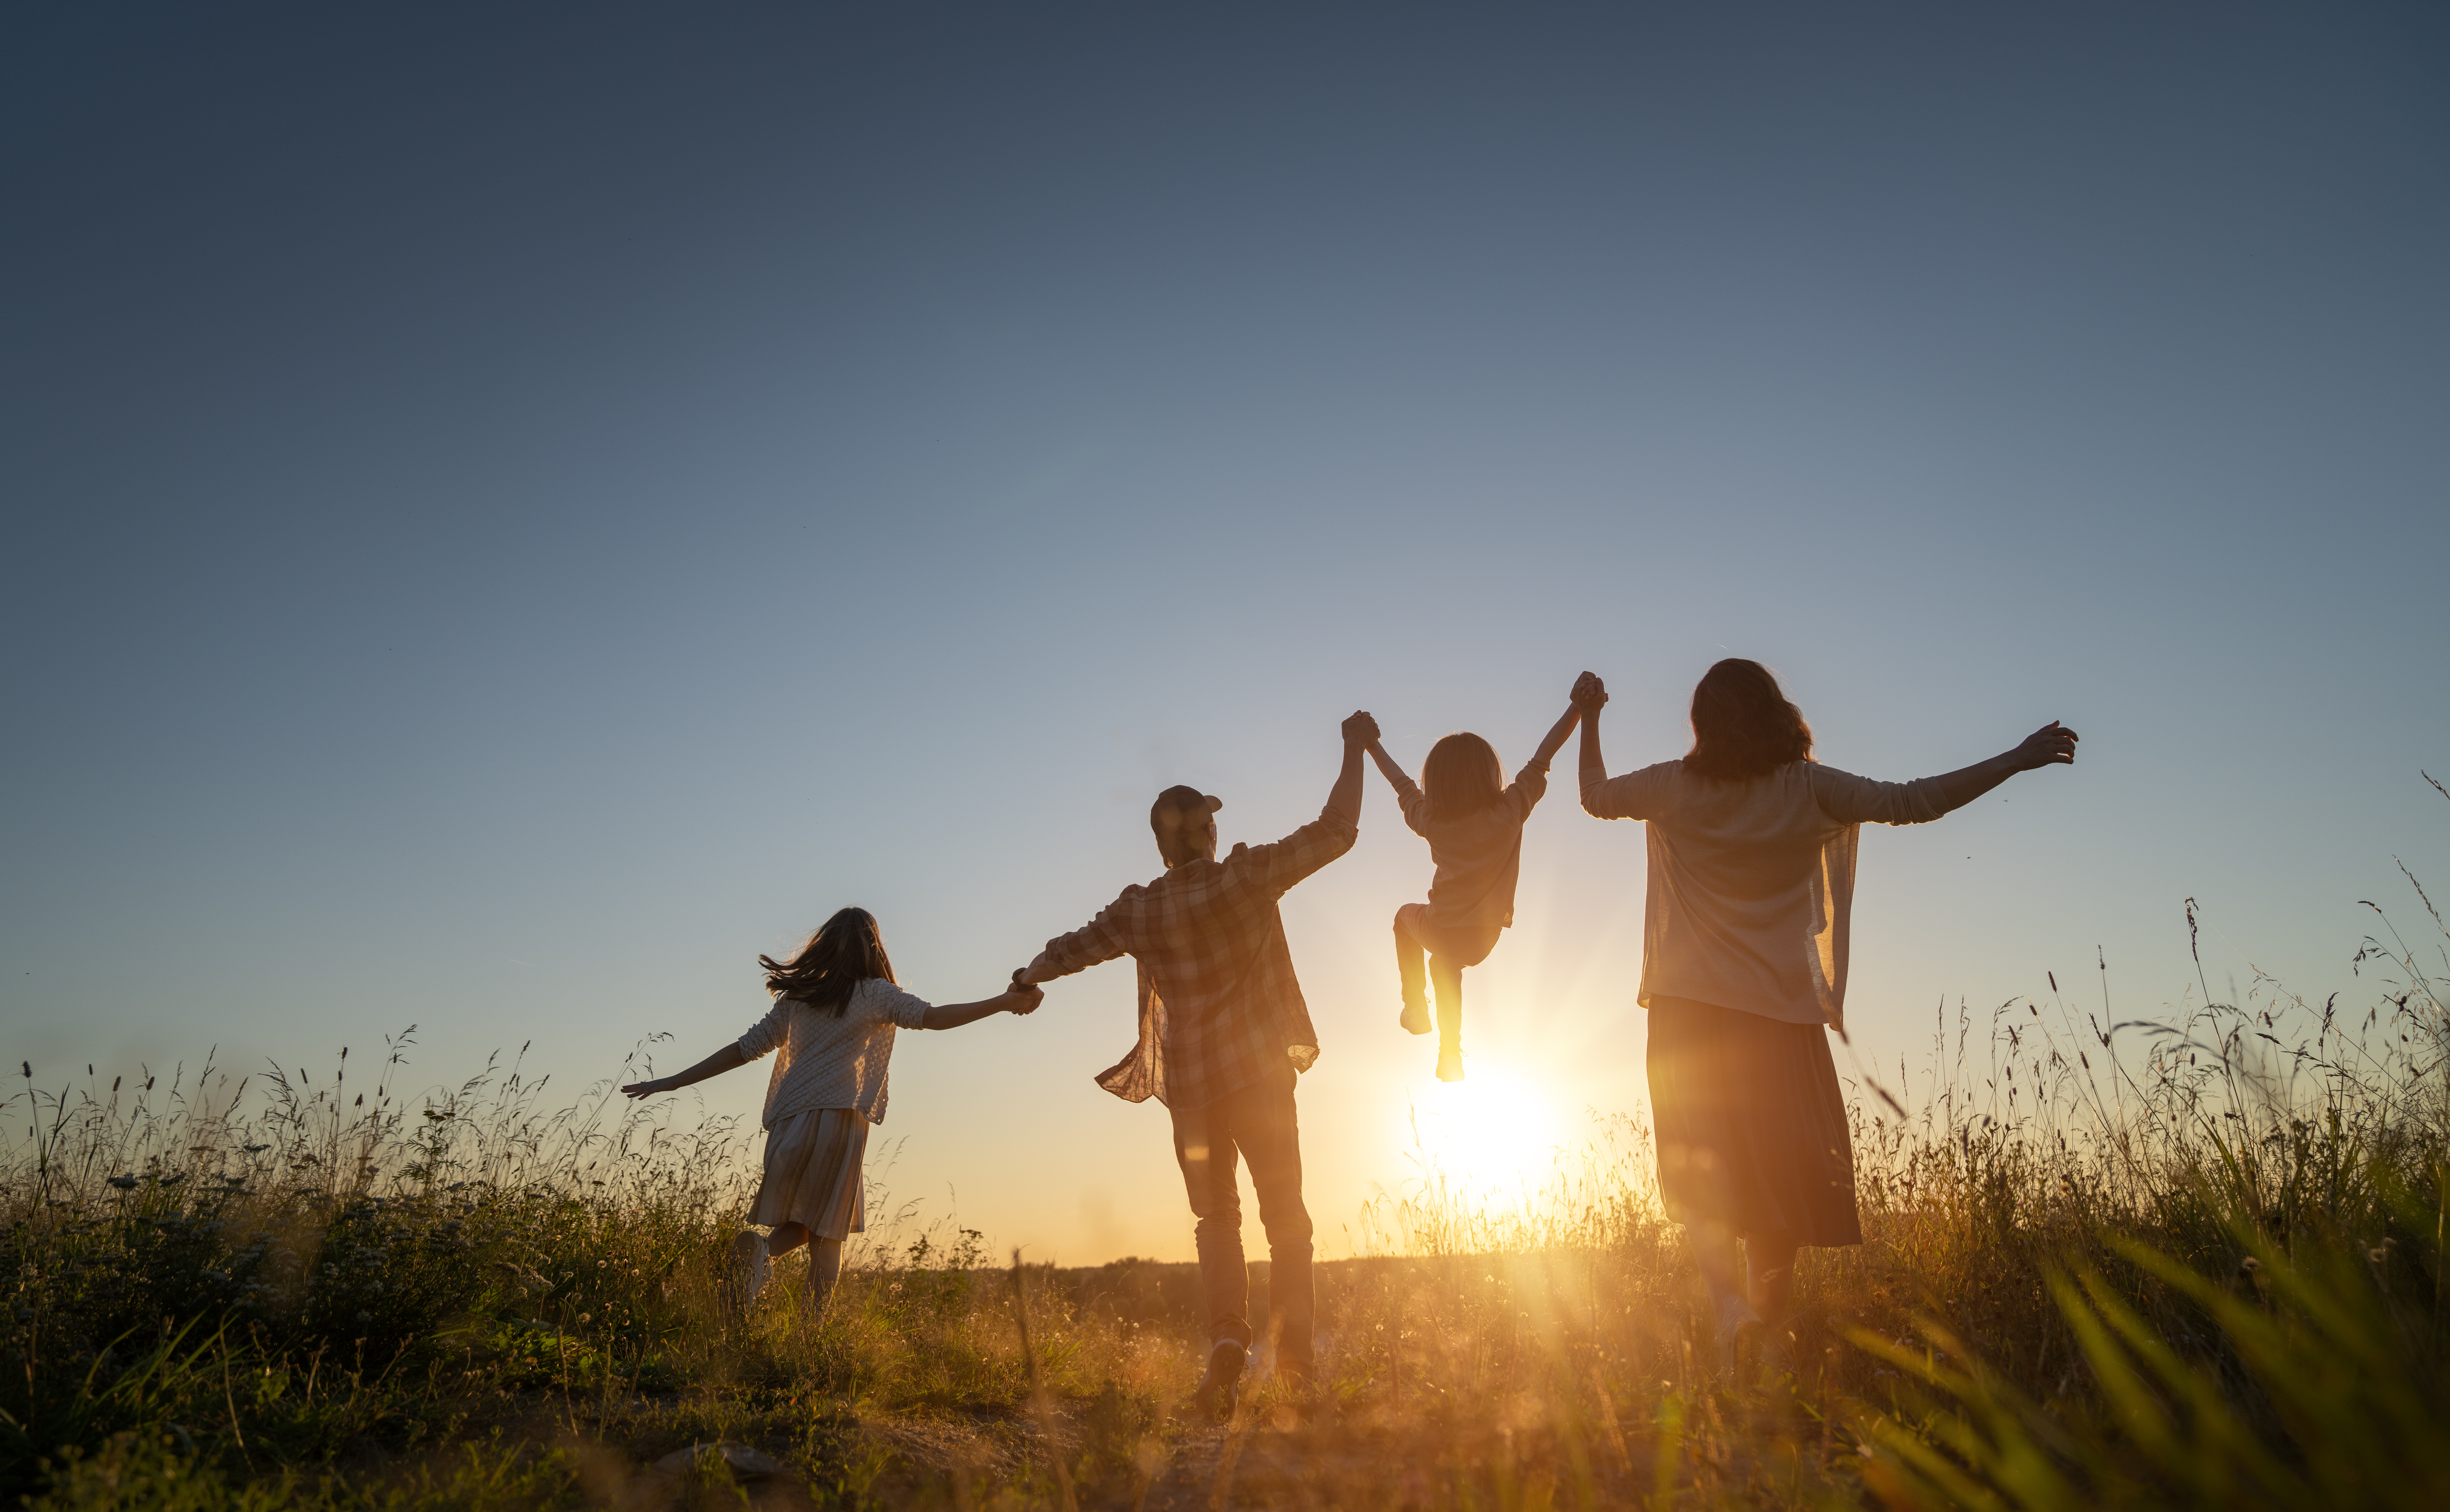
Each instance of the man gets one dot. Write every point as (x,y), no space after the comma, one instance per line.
(1223,1034)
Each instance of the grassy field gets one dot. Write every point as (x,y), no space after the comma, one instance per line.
(2190,1262)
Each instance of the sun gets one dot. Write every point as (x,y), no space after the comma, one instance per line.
(1494,1134)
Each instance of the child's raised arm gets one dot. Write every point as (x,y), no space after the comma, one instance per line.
(1017,999)
(1388,768)
(727,1058)
(1555,740)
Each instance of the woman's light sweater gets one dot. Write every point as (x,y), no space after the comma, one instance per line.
(1751,882)
(831,1061)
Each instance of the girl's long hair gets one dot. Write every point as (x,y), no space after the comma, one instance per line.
(1461,777)
(846,950)
(1742,725)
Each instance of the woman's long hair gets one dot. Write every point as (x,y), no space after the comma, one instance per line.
(845,951)
(1742,725)
(1461,777)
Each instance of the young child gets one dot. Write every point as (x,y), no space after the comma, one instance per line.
(1475,833)
(835,1009)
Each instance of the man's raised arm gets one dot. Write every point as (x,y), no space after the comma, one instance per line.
(1360,733)
(1281,864)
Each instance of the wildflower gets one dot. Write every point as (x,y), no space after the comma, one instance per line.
(586,1317)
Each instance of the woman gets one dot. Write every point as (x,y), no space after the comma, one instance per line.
(836,1006)
(1752,876)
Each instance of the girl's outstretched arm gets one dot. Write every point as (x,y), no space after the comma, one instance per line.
(1014,1000)
(1555,740)
(1388,768)
(727,1058)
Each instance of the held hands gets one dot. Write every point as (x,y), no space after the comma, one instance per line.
(1589,694)
(2054,745)
(1030,993)
(1361,729)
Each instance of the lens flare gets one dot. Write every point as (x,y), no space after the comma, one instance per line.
(1494,1136)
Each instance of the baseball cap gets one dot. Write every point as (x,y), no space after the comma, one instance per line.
(1178,799)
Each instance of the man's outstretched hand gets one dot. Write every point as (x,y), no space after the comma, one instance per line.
(1360,729)
(2054,745)
(1589,694)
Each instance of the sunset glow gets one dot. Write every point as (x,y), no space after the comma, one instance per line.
(1494,1136)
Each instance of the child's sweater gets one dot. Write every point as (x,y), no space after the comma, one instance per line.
(829,1061)
(1478,856)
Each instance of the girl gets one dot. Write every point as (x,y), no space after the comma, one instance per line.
(1474,827)
(835,1009)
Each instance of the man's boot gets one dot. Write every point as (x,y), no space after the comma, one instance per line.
(1214,1397)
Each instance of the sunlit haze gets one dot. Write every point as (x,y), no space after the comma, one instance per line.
(512,512)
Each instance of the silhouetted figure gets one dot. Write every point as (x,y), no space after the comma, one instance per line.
(836,1007)
(1223,1034)
(1473,822)
(1752,878)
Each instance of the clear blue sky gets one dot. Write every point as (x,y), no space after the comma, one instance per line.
(510,513)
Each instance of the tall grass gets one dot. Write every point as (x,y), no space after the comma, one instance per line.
(2192,1259)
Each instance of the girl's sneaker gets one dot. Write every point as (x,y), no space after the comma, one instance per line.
(751,1265)
(1417,1013)
(1450,1062)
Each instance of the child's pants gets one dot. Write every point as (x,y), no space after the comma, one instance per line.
(1450,949)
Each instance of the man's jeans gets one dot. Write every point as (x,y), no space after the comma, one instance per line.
(1257,1123)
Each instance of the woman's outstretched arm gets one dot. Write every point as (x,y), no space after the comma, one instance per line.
(727,1058)
(1017,999)
(1589,697)
(2054,745)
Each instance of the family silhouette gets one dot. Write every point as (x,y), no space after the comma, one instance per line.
(1751,849)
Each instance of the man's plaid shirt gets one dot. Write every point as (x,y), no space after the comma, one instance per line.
(1219,1005)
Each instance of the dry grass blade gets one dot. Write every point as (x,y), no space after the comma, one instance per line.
(1041,1406)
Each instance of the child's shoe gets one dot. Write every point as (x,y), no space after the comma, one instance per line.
(1416,1011)
(1449,1062)
(751,1265)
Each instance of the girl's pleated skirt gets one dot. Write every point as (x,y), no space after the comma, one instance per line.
(813,1162)
(1751,1124)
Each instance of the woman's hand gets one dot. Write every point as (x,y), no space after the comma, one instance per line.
(1589,694)
(1026,995)
(646,1088)
(2054,745)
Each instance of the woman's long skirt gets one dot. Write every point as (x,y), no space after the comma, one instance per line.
(1751,1126)
(813,1163)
